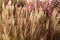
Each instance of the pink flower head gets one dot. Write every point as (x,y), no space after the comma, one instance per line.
(29,7)
(49,10)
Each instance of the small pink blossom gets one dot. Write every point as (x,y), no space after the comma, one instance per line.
(49,10)
(29,7)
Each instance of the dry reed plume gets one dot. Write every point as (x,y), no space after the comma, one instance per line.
(18,23)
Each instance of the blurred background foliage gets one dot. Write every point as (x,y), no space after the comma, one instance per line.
(0,6)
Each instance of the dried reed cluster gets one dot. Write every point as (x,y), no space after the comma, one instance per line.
(17,23)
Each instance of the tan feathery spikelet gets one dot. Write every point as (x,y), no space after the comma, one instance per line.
(54,18)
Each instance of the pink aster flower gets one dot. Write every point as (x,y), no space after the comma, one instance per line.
(49,10)
(29,6)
